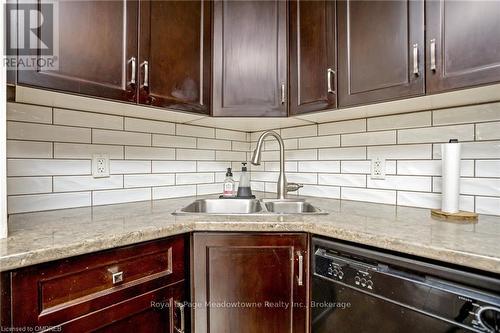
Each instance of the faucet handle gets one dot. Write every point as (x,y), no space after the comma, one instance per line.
(292,187)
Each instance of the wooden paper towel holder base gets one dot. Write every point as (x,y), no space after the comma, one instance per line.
(460,217)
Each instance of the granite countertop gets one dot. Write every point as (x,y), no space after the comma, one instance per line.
(46,236)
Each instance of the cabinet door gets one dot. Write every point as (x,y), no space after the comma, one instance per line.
(463,44)
(249,281)
(175,45)
(381,50)
(97,42)
(249,58)
(313,59)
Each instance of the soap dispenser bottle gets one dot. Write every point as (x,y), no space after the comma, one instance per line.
(229,185)
(244,189)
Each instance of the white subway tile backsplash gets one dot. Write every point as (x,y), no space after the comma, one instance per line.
(275,166)
(401,152)
(488,131)
(301,155)
(50,151)
(342,180)
(319,166)
(38,202)
(488,168)
(119,196)
(407,120)
(230,135)
(240,146)
(86,183)
(196,131)
(473,186)
(148,180)
(230,156)
(320,142)
(149,153)
(432,168)
(299,132)
(368,139)
(321,191)
(41,132)
(214,144)
(431,200)
(488,205)
(340,127)
(166,192)
(274,145)
(28,185)
(368,195)
(213,166)
(121,138)
(129,167)
(357,153)
(149,126)
(203,189)
(29,113)
(467,114)
(44,167)
(302,178)
(80,150)
(87,119)
(194,178)
(195,155)
(173,141)
(174,166)
(436,134)
(28,149)
(410,183)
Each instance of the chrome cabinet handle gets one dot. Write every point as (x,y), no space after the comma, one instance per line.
(145,64)
(133,70)
(415,59)
(300,278)
(433,54)
(180,306)
(117,277)
(329,74)
(282,94)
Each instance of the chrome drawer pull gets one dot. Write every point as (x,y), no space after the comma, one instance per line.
(145,64)
(132,74)
(117,277)
(415,59)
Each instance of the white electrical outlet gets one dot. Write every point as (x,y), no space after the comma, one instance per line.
(100,165)
(378,168)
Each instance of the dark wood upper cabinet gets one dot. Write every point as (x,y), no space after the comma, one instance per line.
(380,50)
(175,50)
(250,58)
(313,58)
(263,271)
(463,44)
(97,40)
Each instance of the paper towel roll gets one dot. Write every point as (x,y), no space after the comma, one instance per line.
(450,153)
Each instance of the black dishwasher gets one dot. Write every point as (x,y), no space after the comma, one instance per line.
(360,290)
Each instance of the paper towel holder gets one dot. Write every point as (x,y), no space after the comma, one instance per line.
(458,217)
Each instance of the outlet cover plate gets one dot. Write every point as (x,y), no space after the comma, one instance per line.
(378,168)
(100,165)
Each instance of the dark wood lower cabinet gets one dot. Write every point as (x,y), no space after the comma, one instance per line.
(250,282)
(137,288)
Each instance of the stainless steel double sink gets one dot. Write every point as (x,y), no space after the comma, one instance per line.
(250,207)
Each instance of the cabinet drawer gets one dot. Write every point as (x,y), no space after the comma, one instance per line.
(68,288)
